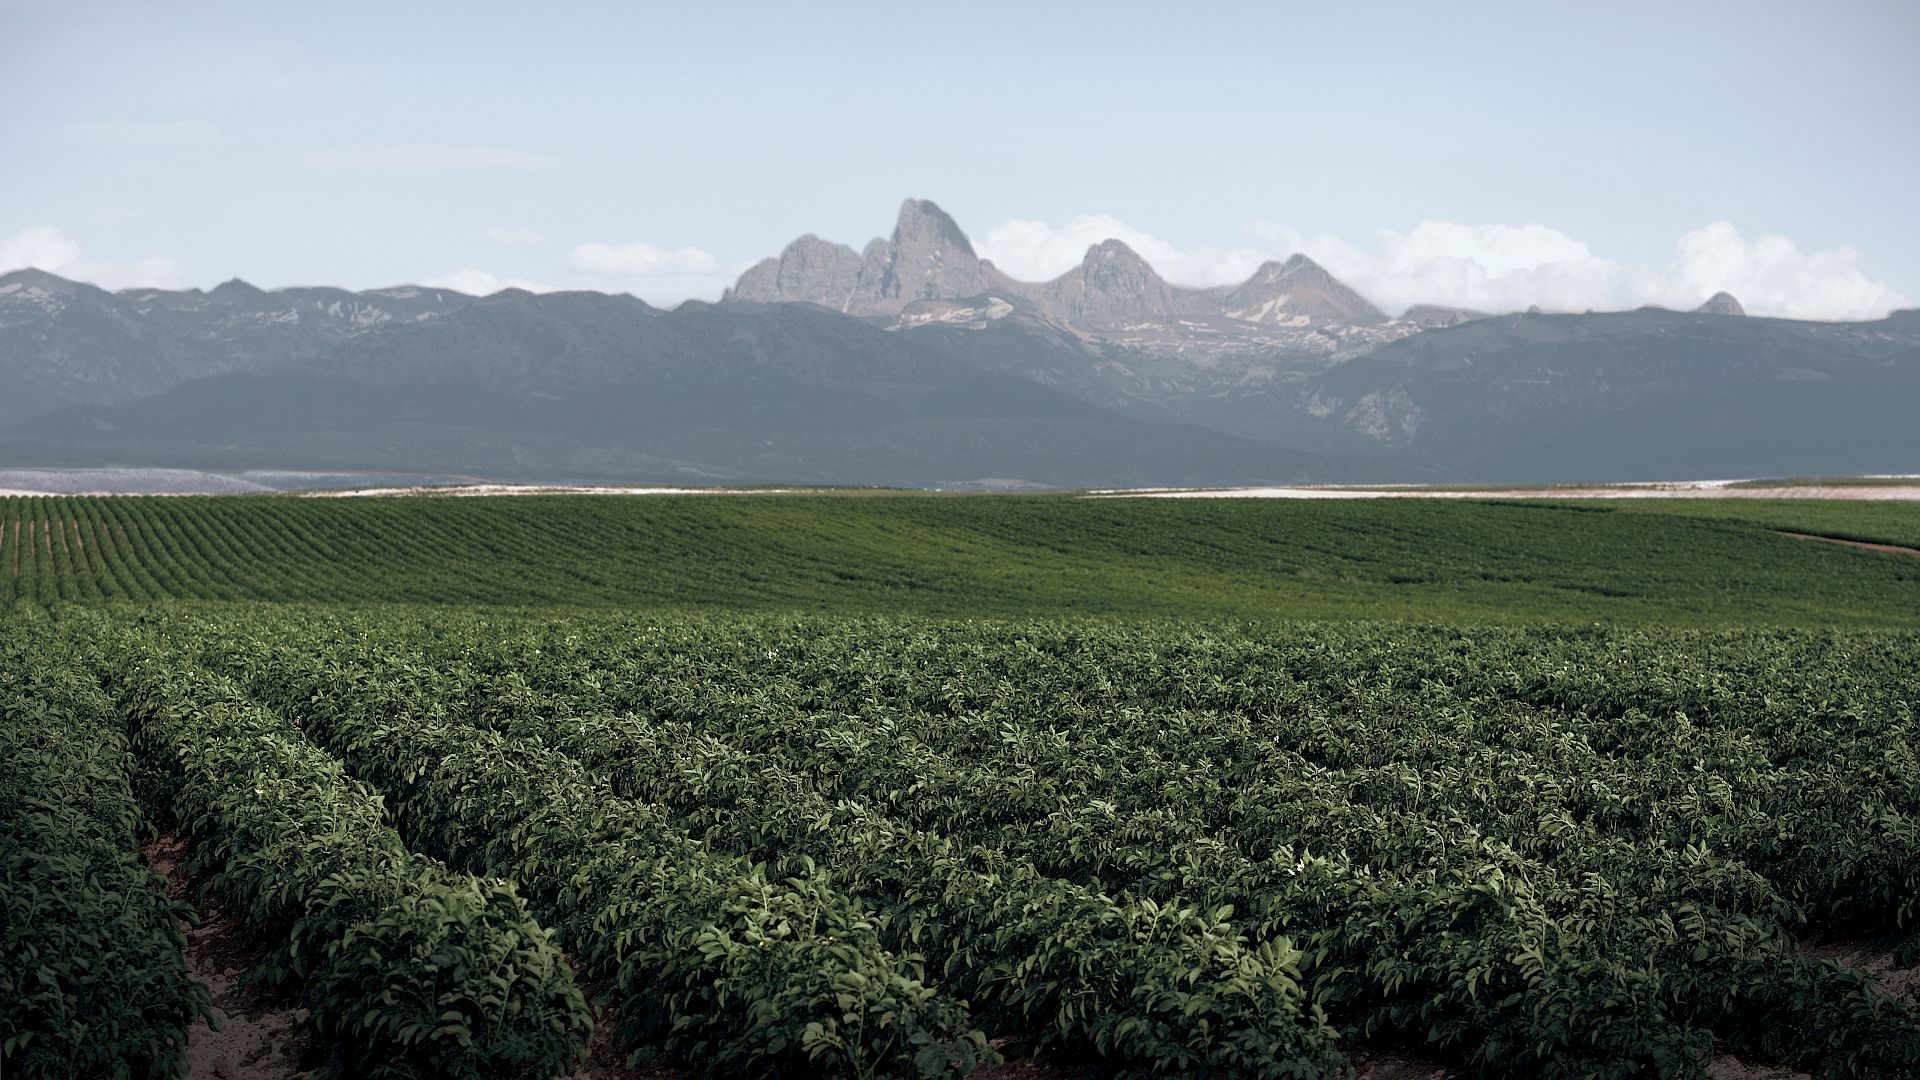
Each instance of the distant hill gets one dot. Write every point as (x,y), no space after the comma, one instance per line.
(584,385)
(1645,394)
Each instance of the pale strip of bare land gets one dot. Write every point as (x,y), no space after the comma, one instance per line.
(1882,489)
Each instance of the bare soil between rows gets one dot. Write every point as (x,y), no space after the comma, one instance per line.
(261,1036)
(264,1036)
(1893,548)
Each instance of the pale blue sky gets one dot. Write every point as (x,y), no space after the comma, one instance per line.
(370,144)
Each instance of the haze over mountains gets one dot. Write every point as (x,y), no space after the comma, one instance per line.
(915,362)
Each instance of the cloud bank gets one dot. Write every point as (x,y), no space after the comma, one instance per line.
(662,274)
(45,247)
(1035,251)
(1491,267)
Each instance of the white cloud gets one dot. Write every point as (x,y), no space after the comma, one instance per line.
(42,247)
(1036,251)
(45,247)
(181,133)
(476,282)
(641,260)
(1509,268)
(1490,267)
(501,235)
(1772,275)
(422,158)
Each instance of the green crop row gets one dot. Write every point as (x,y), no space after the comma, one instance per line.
(1792,752)
(1693,562)
(1189,850)
(408,969)
(725,963)
(1156,988)
(93,981)
(1202,807)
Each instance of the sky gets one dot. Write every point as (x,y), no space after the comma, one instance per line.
(1487,155)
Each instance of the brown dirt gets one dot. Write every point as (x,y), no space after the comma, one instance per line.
(1378,1065)
(260,1037)
(1396,1065)
(1735,1067)
(1894,548)
(265,1038)
(1874,956)
(606,1055)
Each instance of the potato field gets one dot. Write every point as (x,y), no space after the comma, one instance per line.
(468,839)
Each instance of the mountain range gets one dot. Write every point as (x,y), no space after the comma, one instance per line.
(915,362)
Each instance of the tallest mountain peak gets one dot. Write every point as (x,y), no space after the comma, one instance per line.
(922,219)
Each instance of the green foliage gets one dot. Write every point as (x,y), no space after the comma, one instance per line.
(731,964)
(1550,852)
(409,970)
(838,844)
(92,979)
(1696,562)
(1155,987)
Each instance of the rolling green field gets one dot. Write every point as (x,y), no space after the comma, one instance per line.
(877,786)
(1695,563)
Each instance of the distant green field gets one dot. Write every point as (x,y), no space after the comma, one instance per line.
(1880,522)
(1703,562)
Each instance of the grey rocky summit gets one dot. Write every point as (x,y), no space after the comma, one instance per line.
(810,270)
(926,258)
(1299,289)
(1112,286)
(929,260)
(1721,303)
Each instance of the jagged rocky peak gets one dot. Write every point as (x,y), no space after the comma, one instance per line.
(921,221)
(1112,266)
(1112,286)
(1721,303)
(812,270)
(928,258)
(1299,291)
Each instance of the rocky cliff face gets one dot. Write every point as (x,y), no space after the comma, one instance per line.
(1113,286)
(1298,291)
(810,270)
(926,258)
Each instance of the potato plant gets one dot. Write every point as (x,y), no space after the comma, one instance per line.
(408,969)
(93,981)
